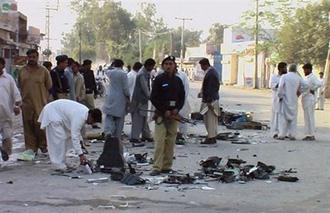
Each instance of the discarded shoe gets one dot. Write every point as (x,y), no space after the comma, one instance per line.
(154,173)
(288,178)
(4,155)
(180,179)
(132,179)
(228,177)
(147,140)
(168,171)
(267,168)
(27,155)
(209,141)
(212,162)
(234,162)
(309,138)
(291,138)
(180,141)
(141,158)
(225,136)
(117,175)
(137,144)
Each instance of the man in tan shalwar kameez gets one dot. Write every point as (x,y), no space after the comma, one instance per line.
(34,81)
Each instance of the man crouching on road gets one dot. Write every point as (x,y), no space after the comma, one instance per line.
(167,95)
(64,120)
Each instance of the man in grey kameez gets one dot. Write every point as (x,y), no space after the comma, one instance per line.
(117,100)
(140,100)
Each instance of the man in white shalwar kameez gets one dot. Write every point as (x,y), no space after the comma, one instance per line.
(274,83)
(185,111)
(309,100)
(320,93)
(64,121)
(288,92)
(131,77)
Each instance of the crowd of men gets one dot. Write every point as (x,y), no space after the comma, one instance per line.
(287,87)
(56,103)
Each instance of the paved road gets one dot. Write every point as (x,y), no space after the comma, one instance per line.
(35,189)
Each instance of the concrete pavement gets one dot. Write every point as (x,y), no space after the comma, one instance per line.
(34,189)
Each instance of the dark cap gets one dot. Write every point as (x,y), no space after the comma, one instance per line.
(96,115)
(87,62)
(61,58)
(168,58)
(308,66)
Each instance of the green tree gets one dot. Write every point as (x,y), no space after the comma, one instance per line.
(304,37)
(107,25)
(216,35)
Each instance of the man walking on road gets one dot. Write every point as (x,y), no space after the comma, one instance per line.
(210,101)
(116,103)
(10,101)
(274,83)
(308,101)
(289,90)
(320,93)
(140,103)
(64,122)
(34,81)
(168,96)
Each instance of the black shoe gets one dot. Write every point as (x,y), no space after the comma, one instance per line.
(147,139)
(275,136)
(96,127)
(133,140)
(154,173)
(4,155)
(136,143)
(209,141)
(168,171)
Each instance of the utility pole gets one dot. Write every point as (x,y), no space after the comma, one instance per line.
(48,9)
(255,85)
(79,25)
(140,47)
(171,43)
(327,70)
(182,41)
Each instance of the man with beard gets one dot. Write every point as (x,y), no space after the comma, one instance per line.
(308,101)
(289,90)
(10,101)
(34,81)
(168,96)
(275,101)
(210,101)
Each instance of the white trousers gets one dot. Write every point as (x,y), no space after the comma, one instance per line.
(183,129)
(287,127)
(320,102)
(274,123)
(57,140)
(309,118)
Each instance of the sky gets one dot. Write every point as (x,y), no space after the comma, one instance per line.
(203,12)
